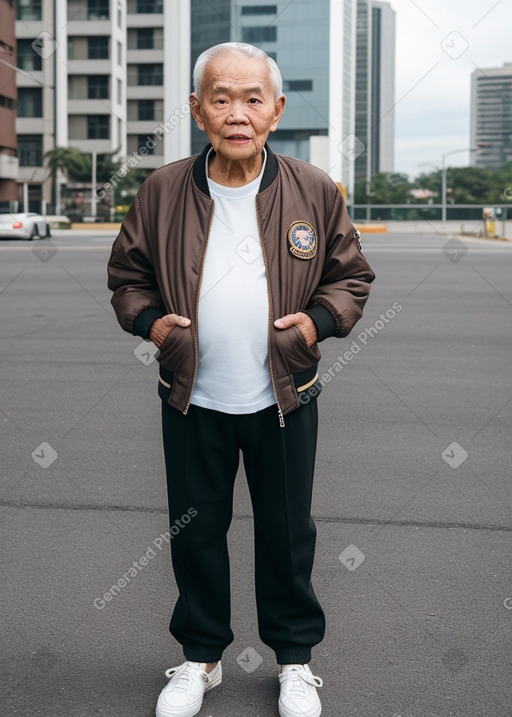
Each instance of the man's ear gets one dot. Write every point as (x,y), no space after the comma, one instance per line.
(278,112)
(195,108)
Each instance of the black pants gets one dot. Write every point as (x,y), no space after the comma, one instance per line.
(202,455)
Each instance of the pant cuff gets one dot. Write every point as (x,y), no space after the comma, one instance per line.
(293,655)
(201,653)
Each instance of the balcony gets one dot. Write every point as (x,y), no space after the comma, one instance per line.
(90,67)
(88,27)
(9,167)
(31,125)
(144,20)
(89,107)
(144,92)
(134,56)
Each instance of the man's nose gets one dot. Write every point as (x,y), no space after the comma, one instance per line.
(237,115)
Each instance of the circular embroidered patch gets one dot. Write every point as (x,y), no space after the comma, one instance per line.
(302,240)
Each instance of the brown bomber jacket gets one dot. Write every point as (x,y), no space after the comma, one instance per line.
(156,264)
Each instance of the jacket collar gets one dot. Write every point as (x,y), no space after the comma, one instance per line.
(199,170)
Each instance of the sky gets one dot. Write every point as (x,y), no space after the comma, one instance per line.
(439,44)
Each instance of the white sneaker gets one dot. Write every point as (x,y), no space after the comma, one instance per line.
(183,695)
(298,695)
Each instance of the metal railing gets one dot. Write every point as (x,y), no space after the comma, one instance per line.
(430,212)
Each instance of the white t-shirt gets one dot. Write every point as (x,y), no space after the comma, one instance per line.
(233,373)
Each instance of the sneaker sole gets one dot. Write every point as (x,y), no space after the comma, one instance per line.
(283,712)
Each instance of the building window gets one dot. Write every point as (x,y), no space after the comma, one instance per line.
(28,10)
(119,53)
(98,127)
(7,102)
(150,74)
(30,150)
(119,17)
(150,6)
(263,33)
(98,10)
(297,85)
(259,10)
(119,91)
(26,57)
(146,110)
(97,48)
(145,38)
(97,87)
(145,141)
(30,102)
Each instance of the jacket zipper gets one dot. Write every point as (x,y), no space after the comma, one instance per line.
(270,316)
(196,330)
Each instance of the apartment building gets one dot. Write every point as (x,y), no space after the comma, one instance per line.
(8,95)
(145,80)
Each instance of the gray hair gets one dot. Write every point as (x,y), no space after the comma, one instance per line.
(228,48)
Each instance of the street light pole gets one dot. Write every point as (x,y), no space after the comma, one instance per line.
(479,145)
(93,186)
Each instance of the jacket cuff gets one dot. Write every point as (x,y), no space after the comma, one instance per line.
(324,321)
(144,321)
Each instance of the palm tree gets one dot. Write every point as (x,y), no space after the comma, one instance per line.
(72,163)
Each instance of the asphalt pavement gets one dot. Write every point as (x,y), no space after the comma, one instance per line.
(412,500)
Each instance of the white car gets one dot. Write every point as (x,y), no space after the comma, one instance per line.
(24,226)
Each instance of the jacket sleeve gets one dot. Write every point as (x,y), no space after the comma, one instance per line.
(338,302)
(131,276)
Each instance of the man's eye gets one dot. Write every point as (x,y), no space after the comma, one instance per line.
(221,102)
(254,100)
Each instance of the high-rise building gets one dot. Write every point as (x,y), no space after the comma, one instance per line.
(375,87)
(491,116)
(276,29)
(318,69)
(8,158)
(210,25)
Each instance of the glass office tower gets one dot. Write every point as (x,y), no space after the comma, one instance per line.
(296,35)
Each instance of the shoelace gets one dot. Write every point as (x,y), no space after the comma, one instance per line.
(296,677)
(184,676)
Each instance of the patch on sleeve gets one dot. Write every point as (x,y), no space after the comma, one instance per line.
(302,239)
(357,236)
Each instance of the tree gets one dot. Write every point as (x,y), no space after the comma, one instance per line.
(432,181)
(469,185)
(71,162)
(385,188)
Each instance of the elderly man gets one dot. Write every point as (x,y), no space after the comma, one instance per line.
(236,263)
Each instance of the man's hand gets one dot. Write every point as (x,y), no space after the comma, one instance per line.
(303,321)
(161,327)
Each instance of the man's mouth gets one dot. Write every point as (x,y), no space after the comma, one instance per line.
(238,138)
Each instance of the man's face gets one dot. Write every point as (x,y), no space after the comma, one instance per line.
(237,108)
